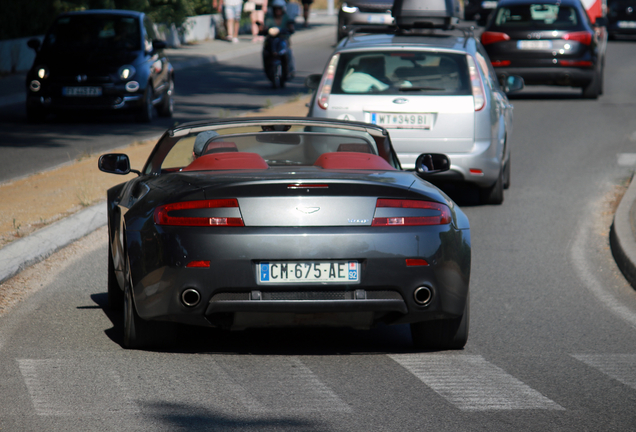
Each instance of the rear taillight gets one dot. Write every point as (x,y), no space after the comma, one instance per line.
(440,213)
(576,63)
(324,90)
(479,94)
(162,213)
(582,36)
(500,63)
(493,37)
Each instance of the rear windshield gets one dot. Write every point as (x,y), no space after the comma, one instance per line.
(89,32)
(402,72)
(536,16)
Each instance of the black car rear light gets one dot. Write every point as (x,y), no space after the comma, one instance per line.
(489,37)
(443,218)
(583,37)
(162,213)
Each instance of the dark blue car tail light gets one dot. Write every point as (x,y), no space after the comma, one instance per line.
(583,37)
(443,218)
(162,216)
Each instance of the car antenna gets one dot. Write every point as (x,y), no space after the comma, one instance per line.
(469,33)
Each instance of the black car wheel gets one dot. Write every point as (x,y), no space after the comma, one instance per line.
(442,334)
(139,333)
(115,293)
(146,111)
(493,194)
(35,115)
(593,89)
(166,108)
(507,174)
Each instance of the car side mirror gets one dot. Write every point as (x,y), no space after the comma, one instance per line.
(159,45)
(601,22)
(513,83)
(313,81)
(114,163)
(432,163)
(34,44)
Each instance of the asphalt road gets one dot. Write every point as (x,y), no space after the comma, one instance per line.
(553,322)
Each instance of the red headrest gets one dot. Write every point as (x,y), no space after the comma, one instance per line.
(219,147)
(228,161)
(352,161)
(357,148)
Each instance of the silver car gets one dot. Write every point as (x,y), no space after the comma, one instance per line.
(434,93)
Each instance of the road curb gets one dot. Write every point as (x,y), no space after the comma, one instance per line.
(622,236)
(19,255)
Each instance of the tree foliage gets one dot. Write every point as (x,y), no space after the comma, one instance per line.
(23,18)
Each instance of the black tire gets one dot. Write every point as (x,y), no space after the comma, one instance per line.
(35,115)
(507,175)
(115,293)
(493,194)
(166,107)
(442,334)
(593,89)
(139,333)
(277,77)
(147,109)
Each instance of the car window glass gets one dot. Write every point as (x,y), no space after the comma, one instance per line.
(536,16)
(402,72)
(94,32)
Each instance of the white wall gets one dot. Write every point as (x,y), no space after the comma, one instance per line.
(15,55)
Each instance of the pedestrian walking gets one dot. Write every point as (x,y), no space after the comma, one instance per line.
(232,10)
(306,7)
(257,17)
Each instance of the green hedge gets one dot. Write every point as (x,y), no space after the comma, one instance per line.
(28,18)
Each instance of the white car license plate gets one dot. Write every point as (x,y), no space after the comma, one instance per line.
(277,272)
(82,91)
(489,5)
(534,44)
(626,24)
(402,121)
(379,19)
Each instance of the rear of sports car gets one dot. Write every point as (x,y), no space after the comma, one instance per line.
(236,252)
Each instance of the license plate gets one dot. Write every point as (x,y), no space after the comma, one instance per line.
(534,44)
(402,121)
(489,5)
(626,24)
(277,272)
(379,19)
(82,91)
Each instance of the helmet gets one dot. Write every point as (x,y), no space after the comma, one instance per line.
(201,140)
(279,3)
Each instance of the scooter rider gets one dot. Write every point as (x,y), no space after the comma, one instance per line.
(277,22)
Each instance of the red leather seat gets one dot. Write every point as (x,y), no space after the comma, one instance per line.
(228,161)
(355,147)
(352,161)
(219,147)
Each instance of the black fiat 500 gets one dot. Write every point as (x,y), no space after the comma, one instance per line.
(102,60)
(547,42)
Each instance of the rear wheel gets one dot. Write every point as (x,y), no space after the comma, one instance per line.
(277,80)
(442,334)
(507,175)
(115,293)
(593,89)
(493,194)
(139,333)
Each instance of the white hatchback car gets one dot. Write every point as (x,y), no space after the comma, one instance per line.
(435,93)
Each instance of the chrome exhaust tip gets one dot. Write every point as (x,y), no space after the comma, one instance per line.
(423,295)
(190,297)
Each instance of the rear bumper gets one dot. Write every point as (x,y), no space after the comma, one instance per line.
(563,76)
(230,291)
(107,103)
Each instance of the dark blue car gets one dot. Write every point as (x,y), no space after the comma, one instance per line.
(100,60)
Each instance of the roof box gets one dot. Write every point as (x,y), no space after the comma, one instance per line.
(410,14)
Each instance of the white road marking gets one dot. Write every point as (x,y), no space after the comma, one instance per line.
(621,367)
(59,388)
(627,159)
(282,384)
(473,384)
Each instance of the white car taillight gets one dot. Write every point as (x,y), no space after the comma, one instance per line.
(324,89)
(479,94)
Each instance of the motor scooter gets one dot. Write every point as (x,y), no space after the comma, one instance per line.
(278,62)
